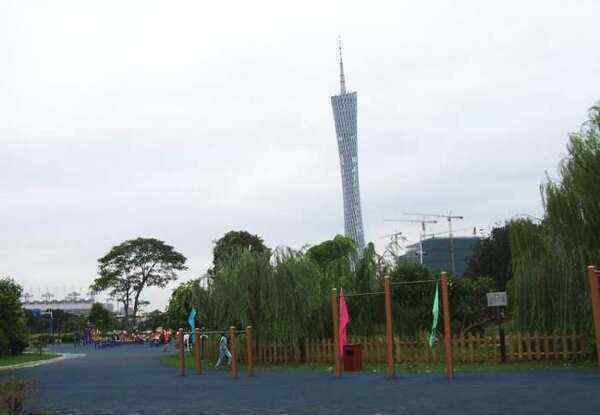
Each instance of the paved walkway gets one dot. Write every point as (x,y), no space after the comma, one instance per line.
(131,380)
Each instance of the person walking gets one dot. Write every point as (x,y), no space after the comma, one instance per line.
(224,352)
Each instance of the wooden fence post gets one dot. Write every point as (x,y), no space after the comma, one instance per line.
(234,368)
(181,352)
(389,339)
(197,357)
(447,332)
(593,277)
(336,340)
(249,357)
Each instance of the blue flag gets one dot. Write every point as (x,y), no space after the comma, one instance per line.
(192,323)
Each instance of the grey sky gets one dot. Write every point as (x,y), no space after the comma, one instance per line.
(183,120)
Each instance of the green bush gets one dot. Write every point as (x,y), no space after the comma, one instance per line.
(67,337)
(13,333)
(39,341)
(14,393)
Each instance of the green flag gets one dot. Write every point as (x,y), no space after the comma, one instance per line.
(436,315)
(192,323)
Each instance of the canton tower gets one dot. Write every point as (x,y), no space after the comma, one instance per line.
(344,115)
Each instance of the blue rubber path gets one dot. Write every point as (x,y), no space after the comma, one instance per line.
(131,380)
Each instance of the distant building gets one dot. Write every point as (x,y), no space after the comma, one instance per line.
(74,307)
(436,253)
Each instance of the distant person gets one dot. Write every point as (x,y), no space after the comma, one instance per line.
(224,352)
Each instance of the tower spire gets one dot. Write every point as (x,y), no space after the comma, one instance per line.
(342,77)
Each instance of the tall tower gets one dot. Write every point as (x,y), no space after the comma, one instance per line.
(344,115)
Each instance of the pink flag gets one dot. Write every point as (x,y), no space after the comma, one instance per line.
(344,320)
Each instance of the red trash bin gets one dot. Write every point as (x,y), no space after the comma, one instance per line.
(352,358)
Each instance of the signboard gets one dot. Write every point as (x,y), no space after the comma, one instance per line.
(497,299)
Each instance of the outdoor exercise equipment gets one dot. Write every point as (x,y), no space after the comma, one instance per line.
(593,275)
(443,281)
(201,334)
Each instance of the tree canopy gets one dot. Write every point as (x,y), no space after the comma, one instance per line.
(549,287)
(235,241)
(13,333)
(492,257)
(285,294)
(133,265)
(340,248)
(101,317)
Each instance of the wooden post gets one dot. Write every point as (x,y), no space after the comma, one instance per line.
(447,332)
(389,339)
(249,357)
(197,337)
(336,340)
(181,352)
(593,277)
(234,368)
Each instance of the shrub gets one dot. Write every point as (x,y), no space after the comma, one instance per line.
(66,337)
(39,341)
(14,393)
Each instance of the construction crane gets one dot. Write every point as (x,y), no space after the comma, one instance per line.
(449,218)
(473,229)
(423,222)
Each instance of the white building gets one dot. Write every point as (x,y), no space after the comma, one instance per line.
(73,307)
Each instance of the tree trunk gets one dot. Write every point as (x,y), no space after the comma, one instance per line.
(136,303)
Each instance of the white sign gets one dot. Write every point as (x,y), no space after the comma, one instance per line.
(497,299)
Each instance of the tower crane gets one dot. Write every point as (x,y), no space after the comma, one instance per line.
(472,229)
(449,217)
(423,222)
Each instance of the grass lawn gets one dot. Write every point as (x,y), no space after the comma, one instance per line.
(25,358)
(173,360)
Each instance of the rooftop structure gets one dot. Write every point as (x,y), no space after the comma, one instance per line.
(73,307)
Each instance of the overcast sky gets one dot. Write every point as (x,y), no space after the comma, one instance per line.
(182,120)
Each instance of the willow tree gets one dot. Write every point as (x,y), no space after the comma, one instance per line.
(239,290)
(367,311)
(297,297)
(549,261)
(190,294)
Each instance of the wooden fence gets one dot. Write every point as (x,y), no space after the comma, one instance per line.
(467,349)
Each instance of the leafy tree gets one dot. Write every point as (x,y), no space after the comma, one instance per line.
(189,295)
(62,322)
(240,287)
(492,257)
(132,266)
(367,311)
(340,248)
(550,290)
(101,317)
(235,241)
(413,302)
(13,336)
(296,297)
